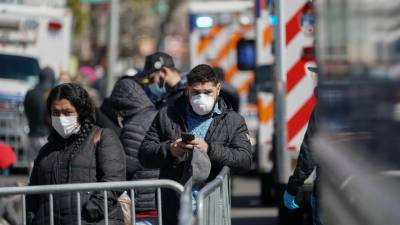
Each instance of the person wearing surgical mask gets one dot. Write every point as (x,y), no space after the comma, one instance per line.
(135,113)
(163,82)
(77,151)
(195,137)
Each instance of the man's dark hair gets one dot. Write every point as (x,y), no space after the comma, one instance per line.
(201,74)
(220,73)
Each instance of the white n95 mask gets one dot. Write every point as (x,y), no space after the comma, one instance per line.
(65,125)
(202,104)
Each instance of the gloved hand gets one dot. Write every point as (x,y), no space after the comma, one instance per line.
(288,200)
(313,201)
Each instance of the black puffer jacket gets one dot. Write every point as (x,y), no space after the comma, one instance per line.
(130,100)
(106,118)
(103,163)
(306,162)
(227,138)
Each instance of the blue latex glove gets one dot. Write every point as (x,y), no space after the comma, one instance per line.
(288,200)
(313,201)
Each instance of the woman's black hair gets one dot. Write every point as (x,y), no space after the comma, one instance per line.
(78,97)
(83,104)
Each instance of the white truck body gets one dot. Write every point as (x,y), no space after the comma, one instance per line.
(41,32)
(33,34)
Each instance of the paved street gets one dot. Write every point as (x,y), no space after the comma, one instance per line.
(246,207)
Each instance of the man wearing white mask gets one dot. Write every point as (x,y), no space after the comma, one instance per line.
(220,138)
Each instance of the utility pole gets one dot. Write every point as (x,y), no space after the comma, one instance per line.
(282,160)
(112,47)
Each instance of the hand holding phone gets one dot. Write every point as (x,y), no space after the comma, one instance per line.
(180,146)
(187,137)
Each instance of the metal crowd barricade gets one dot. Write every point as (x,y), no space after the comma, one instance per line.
(13,131)
(214,202)
(186,210)
(82,187)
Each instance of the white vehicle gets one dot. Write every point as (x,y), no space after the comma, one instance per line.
(41,32)
(31,36)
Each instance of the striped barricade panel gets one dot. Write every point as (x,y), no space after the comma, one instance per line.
(300,85)
(264,32)
(265,105)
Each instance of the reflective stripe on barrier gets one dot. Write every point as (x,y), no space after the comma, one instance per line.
(100,186)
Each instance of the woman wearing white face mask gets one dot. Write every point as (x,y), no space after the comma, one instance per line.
(77,152)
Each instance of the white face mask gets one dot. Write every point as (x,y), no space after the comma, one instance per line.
(202,104)
(65,125)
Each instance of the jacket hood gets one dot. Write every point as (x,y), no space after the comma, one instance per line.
(129,98)
(47,76)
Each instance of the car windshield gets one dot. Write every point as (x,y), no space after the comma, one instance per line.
(18,67)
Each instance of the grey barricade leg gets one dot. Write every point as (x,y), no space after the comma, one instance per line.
(221,206)
(51,209)
(159,206)
(78,202)
(24,209)
(105,208)
(133,210)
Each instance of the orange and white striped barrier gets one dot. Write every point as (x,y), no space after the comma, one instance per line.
(217,46)
(265,104)
(264,32)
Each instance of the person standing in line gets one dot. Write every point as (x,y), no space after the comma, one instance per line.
(135,115)
(35,111)
(77,151)
(220,138)
(165,84)
(306,163)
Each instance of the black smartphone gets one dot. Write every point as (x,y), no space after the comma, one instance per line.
(187,137)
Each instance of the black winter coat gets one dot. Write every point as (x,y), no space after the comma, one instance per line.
(306,160)
(103,163)
(35,104)
(106,118)
(138,112)
(227,138)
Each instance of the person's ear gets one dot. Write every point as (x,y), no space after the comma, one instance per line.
(218,88)
(164,72)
